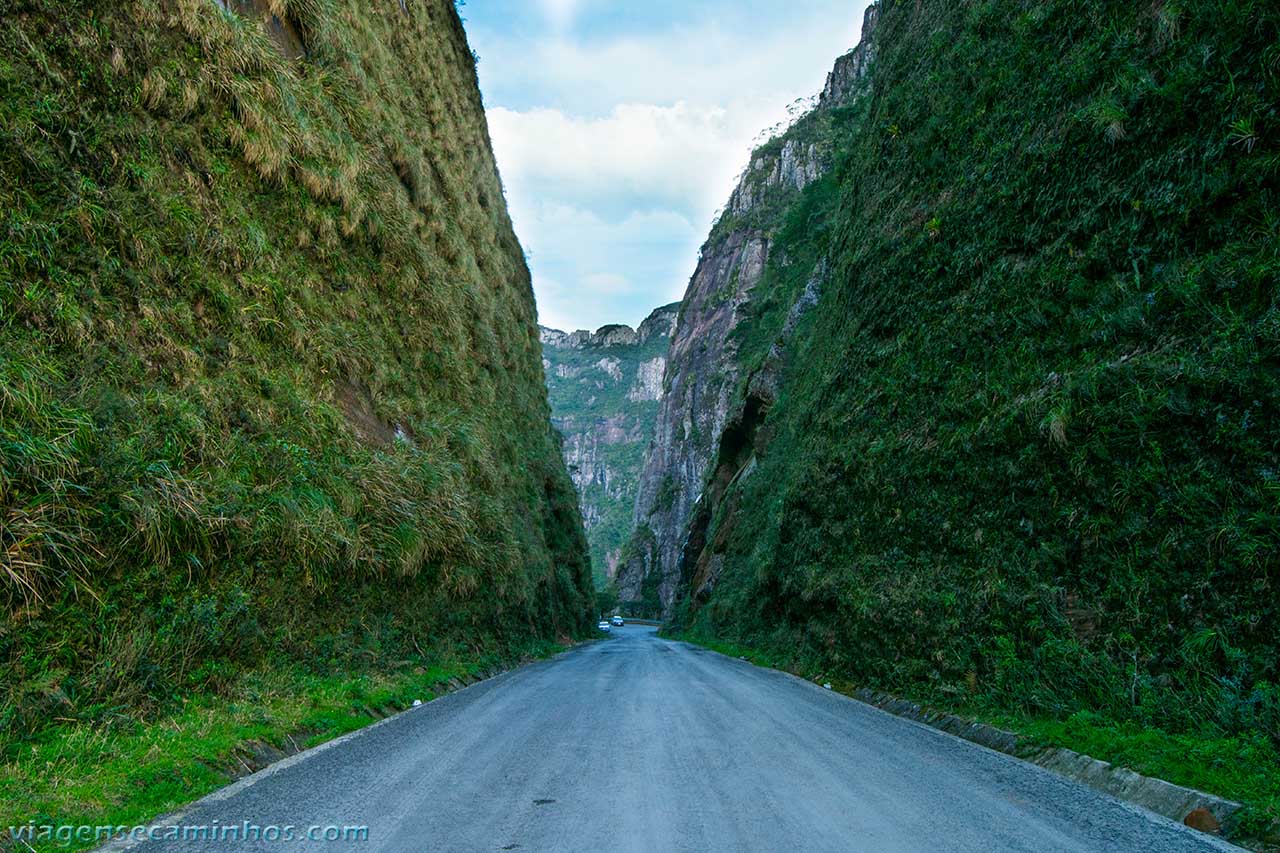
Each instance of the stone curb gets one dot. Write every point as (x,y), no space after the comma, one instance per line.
(1163,798)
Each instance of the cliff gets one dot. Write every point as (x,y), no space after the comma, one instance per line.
(604,389)
(988,412)
(271,391)
(704,366)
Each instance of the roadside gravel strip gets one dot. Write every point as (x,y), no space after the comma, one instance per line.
(641,743)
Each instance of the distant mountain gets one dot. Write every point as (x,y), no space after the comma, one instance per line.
(604,388)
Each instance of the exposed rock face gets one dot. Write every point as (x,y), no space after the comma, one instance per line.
(604,390)
(735,452)
(661,323)
(846,79)
(703,370)
(612,367)
(648,384)
(615,336)
(700,376)
(771,175)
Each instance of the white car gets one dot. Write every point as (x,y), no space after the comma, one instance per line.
(617,622)
(603,626)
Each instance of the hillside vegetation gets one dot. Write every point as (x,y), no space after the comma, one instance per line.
(1026,449)
(270,386)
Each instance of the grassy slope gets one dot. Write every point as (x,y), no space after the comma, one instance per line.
(1026,455)
(226,281)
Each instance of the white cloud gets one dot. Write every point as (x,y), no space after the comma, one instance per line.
(707,60)
(612,210)
(590,271)
(617,147)
(560,13)
(679,157)
(610,283)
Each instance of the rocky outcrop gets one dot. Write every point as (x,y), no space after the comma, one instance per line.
(661,323)
(700,400)
(771,175)
(648,384)
(847,77)
(698,566)
(604,389)
(700,376)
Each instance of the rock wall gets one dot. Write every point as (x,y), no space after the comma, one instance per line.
(703,368)
(849,75)
(1002,407)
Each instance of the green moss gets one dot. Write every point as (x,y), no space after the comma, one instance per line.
(1238,767)
(665,499)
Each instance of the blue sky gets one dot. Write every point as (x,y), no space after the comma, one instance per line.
(620,128)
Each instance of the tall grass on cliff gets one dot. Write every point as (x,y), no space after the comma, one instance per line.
(1027,449)
(270,384)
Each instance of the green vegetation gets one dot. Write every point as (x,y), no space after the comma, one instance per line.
(1024,455)
(1241,767)
(606,600)
(270,394)
(666,496)
(85,775)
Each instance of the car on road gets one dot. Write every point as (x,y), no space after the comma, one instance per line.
(617,622)
(603,626)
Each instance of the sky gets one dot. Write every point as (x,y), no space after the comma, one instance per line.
(620,127)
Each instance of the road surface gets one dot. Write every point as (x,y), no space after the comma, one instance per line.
(639,743)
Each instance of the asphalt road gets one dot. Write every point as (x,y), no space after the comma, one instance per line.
(639,743)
